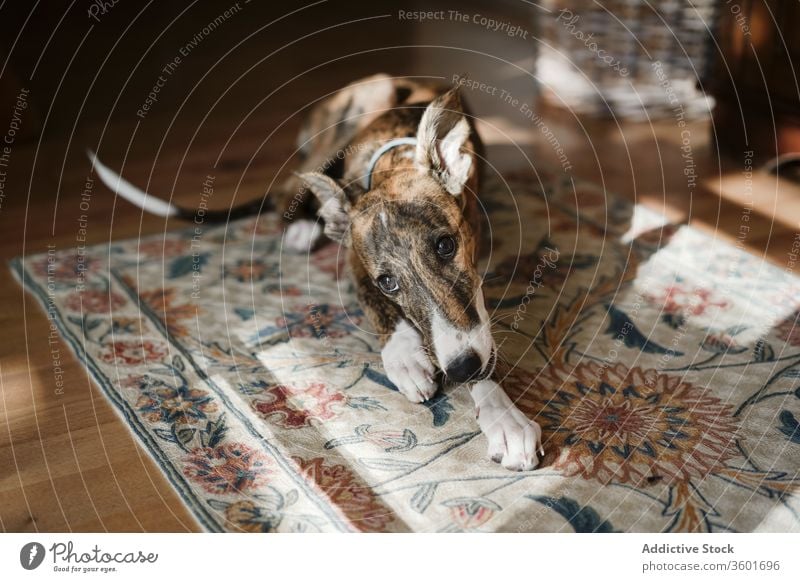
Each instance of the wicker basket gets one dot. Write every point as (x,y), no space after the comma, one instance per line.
(627,58)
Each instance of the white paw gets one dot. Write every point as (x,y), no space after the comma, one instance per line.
(515,441)
(302,235)
(407,365)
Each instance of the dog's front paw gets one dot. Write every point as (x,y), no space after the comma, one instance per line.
(407,365)
(302,235)
(515,441)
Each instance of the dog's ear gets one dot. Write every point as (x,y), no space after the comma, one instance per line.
(334,207)
(443,132)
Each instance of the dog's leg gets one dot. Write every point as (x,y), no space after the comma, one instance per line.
(298,208)
(405,361)
(514,440)
(302,235)
(407,364)
(323,138)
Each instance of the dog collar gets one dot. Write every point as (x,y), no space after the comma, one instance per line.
(389,145)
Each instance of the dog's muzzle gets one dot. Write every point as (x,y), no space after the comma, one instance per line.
(468,367)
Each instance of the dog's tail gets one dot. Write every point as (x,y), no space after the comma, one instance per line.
(153,205)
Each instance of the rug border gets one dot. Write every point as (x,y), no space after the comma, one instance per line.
(339,519)
(197,510)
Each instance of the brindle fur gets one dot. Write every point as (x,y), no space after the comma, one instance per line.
(416,211)
(418,194)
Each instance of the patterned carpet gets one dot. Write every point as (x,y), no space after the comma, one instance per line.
(663,366)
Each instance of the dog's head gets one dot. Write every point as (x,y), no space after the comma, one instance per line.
(415,243)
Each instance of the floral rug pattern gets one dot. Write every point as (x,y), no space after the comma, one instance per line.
(662,364)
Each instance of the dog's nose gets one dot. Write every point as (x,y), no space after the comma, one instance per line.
(465,367)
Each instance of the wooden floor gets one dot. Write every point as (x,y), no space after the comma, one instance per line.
(68,462)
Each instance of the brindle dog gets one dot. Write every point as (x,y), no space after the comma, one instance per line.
(393,168)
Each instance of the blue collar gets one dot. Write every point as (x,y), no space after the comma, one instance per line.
(389,145)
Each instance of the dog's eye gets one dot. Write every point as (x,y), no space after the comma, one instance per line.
(446,247)
(388,284)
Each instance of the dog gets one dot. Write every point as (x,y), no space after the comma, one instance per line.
(391,170)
